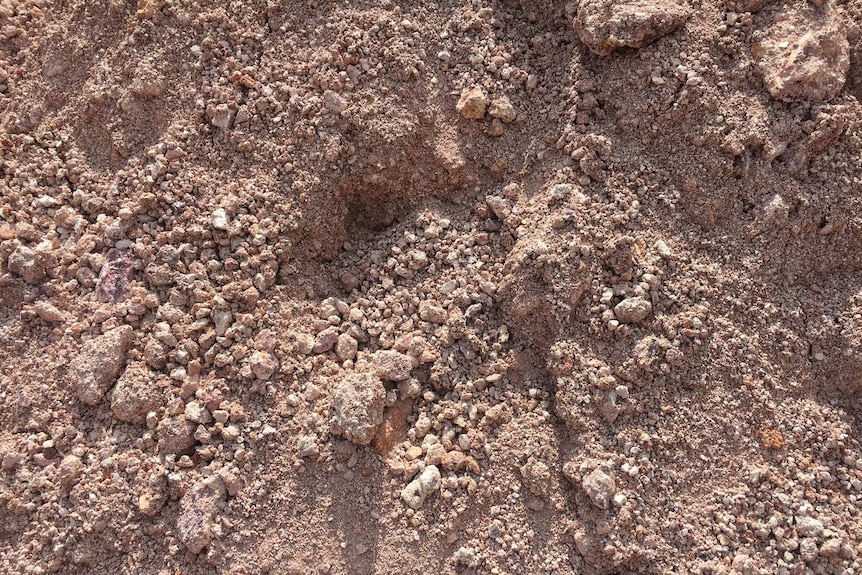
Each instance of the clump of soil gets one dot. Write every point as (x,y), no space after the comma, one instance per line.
(478,287)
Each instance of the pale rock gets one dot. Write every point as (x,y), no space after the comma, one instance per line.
(502,109)
(432,313)
(264,365)
(599,487)
(346,347)
(23,262)
(357,407)
(70,470)
(198,513)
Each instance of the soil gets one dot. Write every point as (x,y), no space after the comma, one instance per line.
(489,286)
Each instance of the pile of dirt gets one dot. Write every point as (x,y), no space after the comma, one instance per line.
(460,287)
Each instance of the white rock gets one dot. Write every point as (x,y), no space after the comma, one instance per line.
(219,219)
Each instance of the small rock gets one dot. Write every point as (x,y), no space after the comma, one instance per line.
(222,117)
(307,447)
(150,502)
(325,340)
(263,365)
(391,365)
(831,548)
(430,479)
(599,487)
(10,460)
(346,347)
(503,110)
(333,102)
(99,363)
(115,278)
(23,262)
(48,312)
(432,313)
(415,493)
(804,56)
(459,461)
(196,412)
(605,25)
(304,343)
(70,470)
(537,477)
(137,392)
(412,494)
(473,103)
(219,219)
(148,8)
(198,509)
(632,310)
(175,434)
(809,527)
(357,405)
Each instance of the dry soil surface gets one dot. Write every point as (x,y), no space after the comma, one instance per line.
(489,286)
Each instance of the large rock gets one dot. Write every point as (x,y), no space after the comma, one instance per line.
(357,407)
(605,25)
(804,56)
(99,362)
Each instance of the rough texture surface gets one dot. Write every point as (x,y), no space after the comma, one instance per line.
(357,407)
(99,362)
(376,287)
(804,55)
(605,25)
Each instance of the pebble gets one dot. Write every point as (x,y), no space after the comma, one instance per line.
(48,312)
(70,470)
(325,340)
(809,527)
(502,109)
(415,493)
(346,347)
(304,343)
(632,310)
(175,434)
(220,220)
(307,447)
(264,365)
(473,103)
(599,487)
(22,261)
(137,392)
(99,363)
(198,508)
(390,365)
(431,313)
(357,407)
